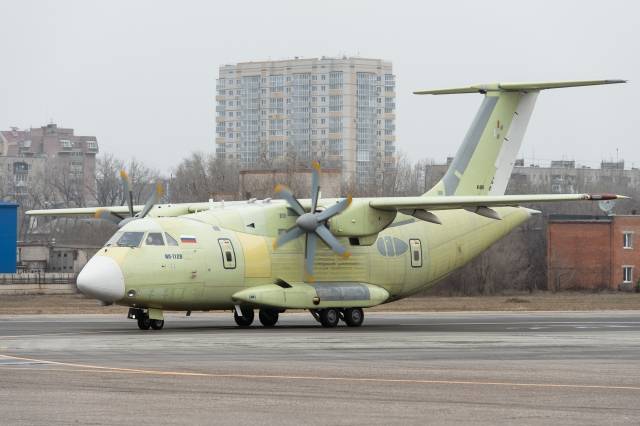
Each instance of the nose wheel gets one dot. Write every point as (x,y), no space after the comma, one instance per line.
(143,320)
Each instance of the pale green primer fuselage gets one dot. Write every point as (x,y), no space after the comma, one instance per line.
(195,276)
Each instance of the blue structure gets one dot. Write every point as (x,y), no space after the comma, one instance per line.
(8,237)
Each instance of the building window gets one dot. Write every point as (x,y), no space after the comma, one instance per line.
(627,240)
(627,274)
(335,80)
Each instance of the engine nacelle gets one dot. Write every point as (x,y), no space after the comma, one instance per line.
(360,220)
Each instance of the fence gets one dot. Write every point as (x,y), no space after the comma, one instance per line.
(38,278)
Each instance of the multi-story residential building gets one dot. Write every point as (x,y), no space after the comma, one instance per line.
(559,176)
(49,151)
(340,111)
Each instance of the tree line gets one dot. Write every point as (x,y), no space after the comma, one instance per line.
(518,262)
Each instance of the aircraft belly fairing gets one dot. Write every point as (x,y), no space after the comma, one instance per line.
(319,295)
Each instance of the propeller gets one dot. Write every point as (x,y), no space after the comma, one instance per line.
(127,194)
(312,224)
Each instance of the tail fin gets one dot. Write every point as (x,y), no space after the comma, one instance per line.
(484,161)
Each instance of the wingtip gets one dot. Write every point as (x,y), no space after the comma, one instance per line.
(604,197)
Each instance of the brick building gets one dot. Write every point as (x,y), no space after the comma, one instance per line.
(592,252)
(38,154)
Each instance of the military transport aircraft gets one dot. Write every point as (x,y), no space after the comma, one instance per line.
(332,257)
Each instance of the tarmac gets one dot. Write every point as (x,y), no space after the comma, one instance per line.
(398,368)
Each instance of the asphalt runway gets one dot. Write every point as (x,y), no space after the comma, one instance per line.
(399,368)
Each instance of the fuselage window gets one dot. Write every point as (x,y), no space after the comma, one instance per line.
(380,245)
(401,246)
(170,240)
(389,242)
(130,239)
(154,239)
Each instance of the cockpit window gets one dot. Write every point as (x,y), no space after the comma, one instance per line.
(130,239)
(154,239)
(170,240)
(115,237)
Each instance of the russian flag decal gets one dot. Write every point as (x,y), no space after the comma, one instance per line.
(190,239)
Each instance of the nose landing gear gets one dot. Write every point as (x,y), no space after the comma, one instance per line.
(143,319)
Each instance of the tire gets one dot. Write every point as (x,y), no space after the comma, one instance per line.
(268,317)
(329,317)
(144,322)
(246,319)
(353,317)
(157,324)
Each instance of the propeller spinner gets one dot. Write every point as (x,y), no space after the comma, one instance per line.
(312,224)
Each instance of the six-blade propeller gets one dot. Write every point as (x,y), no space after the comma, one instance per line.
(312,224)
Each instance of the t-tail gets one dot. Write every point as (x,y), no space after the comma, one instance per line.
(485,160)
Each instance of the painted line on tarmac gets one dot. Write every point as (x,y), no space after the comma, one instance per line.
(120,370)
(68,333)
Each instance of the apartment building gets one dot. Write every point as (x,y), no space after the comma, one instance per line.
(339,111)
(48,152)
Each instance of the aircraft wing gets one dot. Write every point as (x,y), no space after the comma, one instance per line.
(165,210)
(471,201)
(83,211)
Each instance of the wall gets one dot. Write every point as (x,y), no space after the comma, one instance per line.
(579,255)
(625,256)
(8,237)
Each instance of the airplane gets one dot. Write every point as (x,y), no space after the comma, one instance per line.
(332,257)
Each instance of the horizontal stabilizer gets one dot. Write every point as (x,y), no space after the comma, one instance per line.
(516,87)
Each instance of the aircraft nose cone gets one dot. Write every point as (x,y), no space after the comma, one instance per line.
(102,279)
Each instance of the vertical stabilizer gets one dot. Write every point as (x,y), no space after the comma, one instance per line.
(485,160)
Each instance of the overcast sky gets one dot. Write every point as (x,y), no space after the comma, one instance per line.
(140,75)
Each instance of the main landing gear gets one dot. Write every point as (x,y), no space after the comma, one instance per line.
(143,320)
(330,317)
(244,315)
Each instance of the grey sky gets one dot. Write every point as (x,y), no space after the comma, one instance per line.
(140,75)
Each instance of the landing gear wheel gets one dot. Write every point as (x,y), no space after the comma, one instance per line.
(353,317)
(246,319)
(268,317)
(144,322)
(157,324)
(329,317)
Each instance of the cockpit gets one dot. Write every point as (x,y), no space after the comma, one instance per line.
(138,238)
